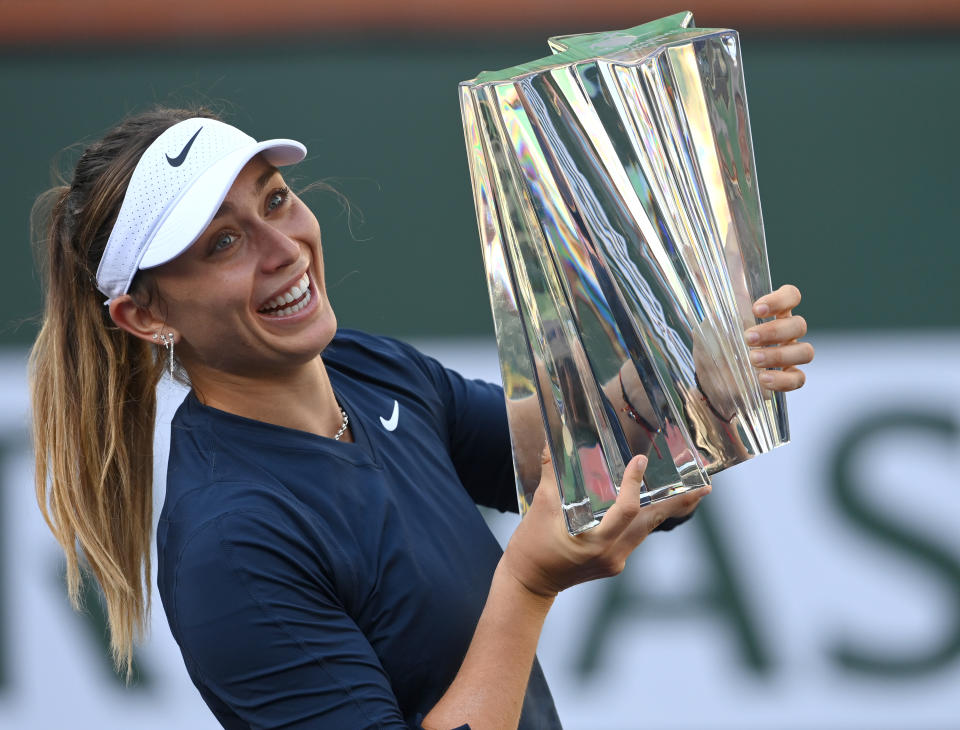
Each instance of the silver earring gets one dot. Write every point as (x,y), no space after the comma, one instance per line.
(166,339)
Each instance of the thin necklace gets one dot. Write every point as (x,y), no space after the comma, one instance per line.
(343,423)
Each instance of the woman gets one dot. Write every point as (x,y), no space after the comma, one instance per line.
(321,562)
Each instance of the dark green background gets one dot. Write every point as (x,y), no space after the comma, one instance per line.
(856,145)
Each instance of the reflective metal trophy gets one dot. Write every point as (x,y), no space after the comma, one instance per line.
(616,197)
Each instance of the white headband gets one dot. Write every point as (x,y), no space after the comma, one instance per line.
(176,189)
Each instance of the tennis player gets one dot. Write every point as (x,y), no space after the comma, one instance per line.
(320,558)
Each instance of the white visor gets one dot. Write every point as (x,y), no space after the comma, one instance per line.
(176,189)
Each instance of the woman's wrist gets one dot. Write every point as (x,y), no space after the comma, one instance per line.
(521,589)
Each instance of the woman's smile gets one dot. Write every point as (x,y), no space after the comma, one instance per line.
(289,302)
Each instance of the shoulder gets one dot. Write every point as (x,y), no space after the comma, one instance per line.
(214,461)
(353,347)
(387,362)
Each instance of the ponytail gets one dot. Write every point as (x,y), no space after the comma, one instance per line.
(93,389)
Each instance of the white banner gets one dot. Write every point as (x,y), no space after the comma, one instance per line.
(818,587)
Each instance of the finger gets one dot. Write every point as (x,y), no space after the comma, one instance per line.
(782,300)
(782,380)
(629,502)
(777,331)
(785,356)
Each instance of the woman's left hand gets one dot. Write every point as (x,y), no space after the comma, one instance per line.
(774,344)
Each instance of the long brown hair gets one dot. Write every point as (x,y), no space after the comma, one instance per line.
(93,387)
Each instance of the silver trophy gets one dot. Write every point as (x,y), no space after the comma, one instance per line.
(616,198)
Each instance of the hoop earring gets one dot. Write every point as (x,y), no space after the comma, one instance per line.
(166,339)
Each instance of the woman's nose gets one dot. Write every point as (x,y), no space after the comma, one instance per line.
(277,249)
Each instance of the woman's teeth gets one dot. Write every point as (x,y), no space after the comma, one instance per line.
(292,300)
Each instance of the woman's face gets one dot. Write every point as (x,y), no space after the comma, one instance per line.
(228,297)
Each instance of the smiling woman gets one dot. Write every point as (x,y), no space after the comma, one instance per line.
(320,558)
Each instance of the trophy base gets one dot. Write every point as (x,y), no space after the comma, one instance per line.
(581,516)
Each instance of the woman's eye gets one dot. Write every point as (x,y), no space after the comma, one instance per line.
(223,241)
(277,198)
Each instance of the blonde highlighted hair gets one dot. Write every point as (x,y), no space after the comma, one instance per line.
(93,388)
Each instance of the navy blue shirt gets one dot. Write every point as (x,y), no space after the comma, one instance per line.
(314,583)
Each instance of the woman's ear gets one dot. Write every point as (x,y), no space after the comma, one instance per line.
(139,321)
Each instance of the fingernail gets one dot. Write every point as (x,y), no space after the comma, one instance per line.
(766,379)
(753,338)
(640,461)
(757,357)
(761,310)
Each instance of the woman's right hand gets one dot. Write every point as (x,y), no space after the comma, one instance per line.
(544,558)
(540,561)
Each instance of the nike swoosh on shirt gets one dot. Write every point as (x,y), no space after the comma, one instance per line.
(394,418)
(178,160)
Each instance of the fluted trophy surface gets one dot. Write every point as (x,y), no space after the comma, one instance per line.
(616,198)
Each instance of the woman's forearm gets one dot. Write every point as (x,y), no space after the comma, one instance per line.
(488,690)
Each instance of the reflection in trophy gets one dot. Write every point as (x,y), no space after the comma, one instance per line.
(623,242)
